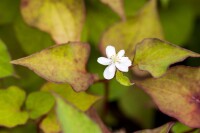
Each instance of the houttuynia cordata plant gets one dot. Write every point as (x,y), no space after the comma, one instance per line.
(99,66)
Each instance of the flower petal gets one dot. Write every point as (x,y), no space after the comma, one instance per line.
(122,67)
(104,61)
(109,72)
(121,53)
(110,51)
(126,61)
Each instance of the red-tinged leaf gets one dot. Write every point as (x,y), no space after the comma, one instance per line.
(61,64)
(177,94)
(155,56)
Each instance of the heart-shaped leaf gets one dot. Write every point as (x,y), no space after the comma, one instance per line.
(72,120)
(39,103)
(177,93)
(11,101)
(125,35)
(6,69)
(63,19)
(62,64)
(155,56)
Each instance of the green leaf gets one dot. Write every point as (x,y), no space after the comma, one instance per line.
(176,93)
(50,123)
(123,79)
(31,39)
(39,103)
(126,34)
(137,105)
(8,10)
(180,128)
(62,19)
(6,69)
(62,64)
(117,6)
(155,56)
(72,120)
(162,129)
(11,101)
(81,100)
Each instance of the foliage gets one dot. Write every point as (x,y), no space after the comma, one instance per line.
(64,89)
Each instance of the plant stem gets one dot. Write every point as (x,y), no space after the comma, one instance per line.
(101,81)
(106,97)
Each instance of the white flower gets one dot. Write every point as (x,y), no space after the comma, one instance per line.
(114,61)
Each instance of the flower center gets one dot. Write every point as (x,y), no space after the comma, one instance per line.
(115,59)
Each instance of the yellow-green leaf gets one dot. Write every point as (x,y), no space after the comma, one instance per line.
(123,79)
(81,100)
(117,6)
(50,123)
(177,93)
(6,69)
(162,129)
(61,64)
(62,19)
(11,101)
(39,103)
(155,56)
(125,35)
(180,128)
(73,120)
